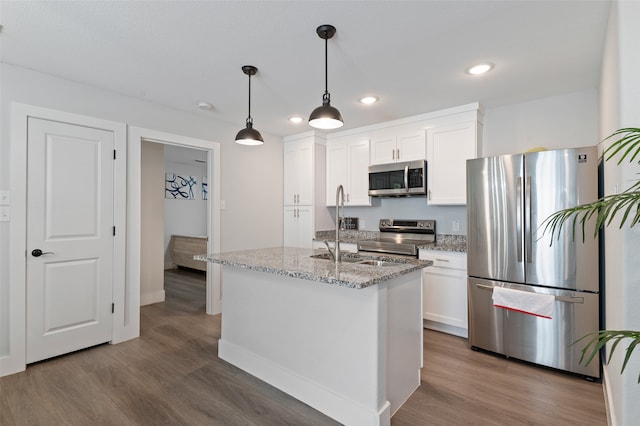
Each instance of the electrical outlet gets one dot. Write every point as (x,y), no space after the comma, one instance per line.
(455,226)
(5,200)
(5,214)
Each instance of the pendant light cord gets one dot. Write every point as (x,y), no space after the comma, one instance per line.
(326,98)
(249,119)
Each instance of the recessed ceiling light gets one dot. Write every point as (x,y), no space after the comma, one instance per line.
(368,100)
(296,119)
(205,106)
(479,68)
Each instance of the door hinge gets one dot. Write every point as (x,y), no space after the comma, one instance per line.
(113,307)
(114,231)
(114,154)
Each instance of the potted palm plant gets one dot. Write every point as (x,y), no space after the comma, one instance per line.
(626,205)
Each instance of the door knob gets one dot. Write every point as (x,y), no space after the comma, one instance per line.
(38,252)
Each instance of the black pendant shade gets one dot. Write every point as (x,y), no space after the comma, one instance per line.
(249,135)
(326,116)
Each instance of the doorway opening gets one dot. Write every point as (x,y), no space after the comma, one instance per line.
(138,137)
(174,192)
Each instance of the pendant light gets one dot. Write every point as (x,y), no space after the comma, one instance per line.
(326,116)
(249,135)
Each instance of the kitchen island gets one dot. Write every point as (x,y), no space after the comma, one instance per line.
(345,339)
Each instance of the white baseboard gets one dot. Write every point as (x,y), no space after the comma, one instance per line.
(151,298)
(11,365)
(445,328)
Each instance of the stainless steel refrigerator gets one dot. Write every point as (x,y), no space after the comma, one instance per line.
(508,199)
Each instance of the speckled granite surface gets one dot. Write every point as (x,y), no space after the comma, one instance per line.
(297,263)
(444,242)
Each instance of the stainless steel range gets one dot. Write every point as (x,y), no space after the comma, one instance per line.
(400,236)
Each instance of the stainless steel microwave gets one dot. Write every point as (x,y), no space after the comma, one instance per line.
(402,179)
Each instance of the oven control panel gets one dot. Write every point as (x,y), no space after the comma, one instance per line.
(426,226)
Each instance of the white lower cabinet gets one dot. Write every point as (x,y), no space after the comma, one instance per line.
(444,304)
(298,226)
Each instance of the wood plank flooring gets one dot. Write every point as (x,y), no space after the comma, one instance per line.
(172,376)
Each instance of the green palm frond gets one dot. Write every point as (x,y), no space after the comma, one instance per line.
(597,341)
(629,142)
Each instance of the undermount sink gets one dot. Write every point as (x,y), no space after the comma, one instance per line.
(355,259)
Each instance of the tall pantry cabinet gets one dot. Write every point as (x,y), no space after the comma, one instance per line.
(304,189)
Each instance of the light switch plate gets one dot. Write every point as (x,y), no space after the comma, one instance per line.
(5,213)
(5,199)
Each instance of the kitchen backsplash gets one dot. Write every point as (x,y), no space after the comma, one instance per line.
(449,219)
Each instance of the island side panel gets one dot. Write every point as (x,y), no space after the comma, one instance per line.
(323,344)
(405,332)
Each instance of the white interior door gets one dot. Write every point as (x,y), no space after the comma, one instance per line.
(70,228)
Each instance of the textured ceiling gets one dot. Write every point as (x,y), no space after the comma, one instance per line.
(411,54)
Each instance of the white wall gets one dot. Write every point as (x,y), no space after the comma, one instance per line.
(251,177)
(152,242)
(565,121)
(619,107)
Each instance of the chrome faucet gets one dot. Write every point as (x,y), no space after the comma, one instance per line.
(339,221)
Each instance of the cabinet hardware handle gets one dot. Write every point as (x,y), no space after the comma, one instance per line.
(429,194)
(393,154)
(398,153)
(442,260)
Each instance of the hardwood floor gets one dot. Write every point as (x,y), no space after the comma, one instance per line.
(171,375)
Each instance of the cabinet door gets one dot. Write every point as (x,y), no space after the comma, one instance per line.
(336,171)
(445,291)
(358,169)
(445,296)
(290,227)
(290,175)
(298,226)
(305,227)
(305,174)
(448,149)
(298,173)
(411,147)
(383,148)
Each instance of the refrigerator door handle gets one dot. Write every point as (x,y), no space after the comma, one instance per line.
(519,219)
(484,286)
(570,299)
(528,217)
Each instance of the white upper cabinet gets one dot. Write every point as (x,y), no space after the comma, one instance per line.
(298,173)
(304,189)
(395,144)
(448,149)
(348,165)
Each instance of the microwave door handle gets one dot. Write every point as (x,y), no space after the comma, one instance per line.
(406,177)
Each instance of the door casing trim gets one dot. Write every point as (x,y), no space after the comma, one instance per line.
(15,360)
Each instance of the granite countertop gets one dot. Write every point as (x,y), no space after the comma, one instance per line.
(444,242)
(297,263)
